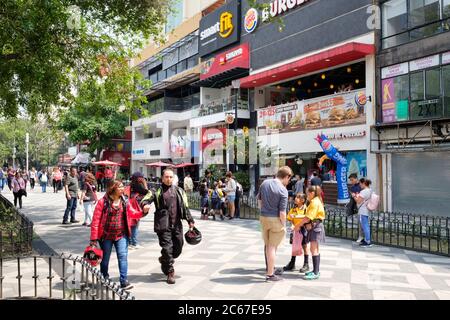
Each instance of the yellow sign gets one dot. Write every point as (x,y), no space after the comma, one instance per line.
(226,24)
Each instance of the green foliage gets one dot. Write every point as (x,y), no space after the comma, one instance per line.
(244,179)
(47,47)
(8,219)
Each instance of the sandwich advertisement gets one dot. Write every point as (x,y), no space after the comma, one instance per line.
(333,111)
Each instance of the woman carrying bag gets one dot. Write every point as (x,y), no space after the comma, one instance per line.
(18,187)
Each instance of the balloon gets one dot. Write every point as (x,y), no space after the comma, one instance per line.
(341,173)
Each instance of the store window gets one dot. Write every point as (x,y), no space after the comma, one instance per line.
(426,99)
(446,82)
(408,20)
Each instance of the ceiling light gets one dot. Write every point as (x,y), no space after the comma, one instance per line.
(331,86)
(315,84)
(293,89)
(349,70)
(357,81)
(323,77)
(299,82)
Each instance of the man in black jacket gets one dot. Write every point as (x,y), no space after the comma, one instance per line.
(171,207)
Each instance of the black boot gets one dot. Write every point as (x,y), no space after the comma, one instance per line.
(305,268)
(290,266)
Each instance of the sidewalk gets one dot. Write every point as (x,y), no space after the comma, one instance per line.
(229,263)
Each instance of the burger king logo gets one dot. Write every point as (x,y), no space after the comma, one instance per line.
(251,20)
(326,145)
(361,99)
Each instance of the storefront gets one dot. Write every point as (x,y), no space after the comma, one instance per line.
(413,118)
(307,83)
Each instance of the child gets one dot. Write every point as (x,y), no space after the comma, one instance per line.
(295,216)
(216,196)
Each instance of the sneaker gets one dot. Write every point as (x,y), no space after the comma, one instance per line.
(84,223)
(360,239)
(171,277)
(289,267)
(308,273)
(66,222)
(230,218)
(312,276)
(278,271)
(304,269)
(222,218)
(74,221)
(131,247)
(364,244)
(273,278)
(138,246)
(126,285)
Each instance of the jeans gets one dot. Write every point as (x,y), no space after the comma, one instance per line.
(32,183)
(171,243)
(134,234)
(44,187)
(71,208)
(366,227)
(121,246)
(87,212)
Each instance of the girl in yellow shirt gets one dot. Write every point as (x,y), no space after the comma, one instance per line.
(313,221)
(295,216)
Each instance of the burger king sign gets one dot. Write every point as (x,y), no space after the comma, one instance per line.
(251,20)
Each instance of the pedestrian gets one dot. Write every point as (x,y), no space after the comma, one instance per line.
(188,184)
(316,181)
(33,175)
(2,176)
(175,180)
(25,177)
(137,190)
(71,189)
(313,222)
(295,216)
(231,193)
(88,198)
(43,180)
(204,199)
(4,181)
(99,178)
(216,206)
(56,179)
(273,201)
(300,185)
(108,176)
(11,175)
(362,200)
(111,226)
(171,207)
(19,189)
(352,206)
(237,201)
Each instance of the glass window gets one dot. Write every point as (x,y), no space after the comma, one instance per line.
(423,12)
(433,83)
(394,17)
(446,8)
(446,82)
(417,86)
(171,71)
(192,62)
(426,31)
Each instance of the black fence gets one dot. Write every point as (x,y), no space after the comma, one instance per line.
(16,231)
(401,230)
(56,277)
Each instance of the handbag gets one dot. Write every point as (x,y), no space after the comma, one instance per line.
(351,208)
(23,192)
(297,249)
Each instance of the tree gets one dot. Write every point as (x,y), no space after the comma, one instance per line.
(47,47)
(102,108)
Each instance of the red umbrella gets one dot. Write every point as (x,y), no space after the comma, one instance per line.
(183,165)
(106,163)
(159,164)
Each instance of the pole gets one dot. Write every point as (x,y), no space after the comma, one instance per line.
(27,140)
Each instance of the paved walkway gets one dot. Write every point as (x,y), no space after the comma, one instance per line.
(229,263)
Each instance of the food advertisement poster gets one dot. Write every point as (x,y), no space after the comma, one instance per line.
(334,111)
(357,163)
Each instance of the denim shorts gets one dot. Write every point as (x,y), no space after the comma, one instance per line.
(231,198)
(204,202)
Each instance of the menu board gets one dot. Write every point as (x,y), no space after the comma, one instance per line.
(333,111)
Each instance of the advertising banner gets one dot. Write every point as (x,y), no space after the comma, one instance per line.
(332,111)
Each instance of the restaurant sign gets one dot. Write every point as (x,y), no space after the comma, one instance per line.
(326,112)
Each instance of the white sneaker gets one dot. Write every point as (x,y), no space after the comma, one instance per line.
(360,239)
(130,247)
(138,246)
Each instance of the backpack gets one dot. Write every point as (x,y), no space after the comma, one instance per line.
(215,195)
(373,202)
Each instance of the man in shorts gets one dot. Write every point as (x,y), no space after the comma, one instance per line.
(273,200)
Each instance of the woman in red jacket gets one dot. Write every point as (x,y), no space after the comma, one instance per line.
(111,226)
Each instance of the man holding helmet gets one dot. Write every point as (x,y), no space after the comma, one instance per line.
(171,207)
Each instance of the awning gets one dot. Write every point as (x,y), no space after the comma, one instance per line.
(323,60)
(223,79)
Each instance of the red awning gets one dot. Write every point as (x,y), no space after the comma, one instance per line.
(323,60)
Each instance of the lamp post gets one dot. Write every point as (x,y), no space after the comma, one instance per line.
(27,140)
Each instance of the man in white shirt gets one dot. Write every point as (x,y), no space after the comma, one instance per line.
(231,193)
(188,184)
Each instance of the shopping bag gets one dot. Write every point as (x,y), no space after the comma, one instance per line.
(297,249)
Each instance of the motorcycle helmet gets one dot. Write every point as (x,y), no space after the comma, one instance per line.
(193,236)
(93,255)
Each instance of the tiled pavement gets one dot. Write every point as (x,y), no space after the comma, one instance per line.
(229,263)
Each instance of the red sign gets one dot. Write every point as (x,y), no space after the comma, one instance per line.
(123,158)
(237,57)
(213,135)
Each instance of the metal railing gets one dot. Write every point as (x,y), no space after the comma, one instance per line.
(56,277)
(16,230)
(422,233)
